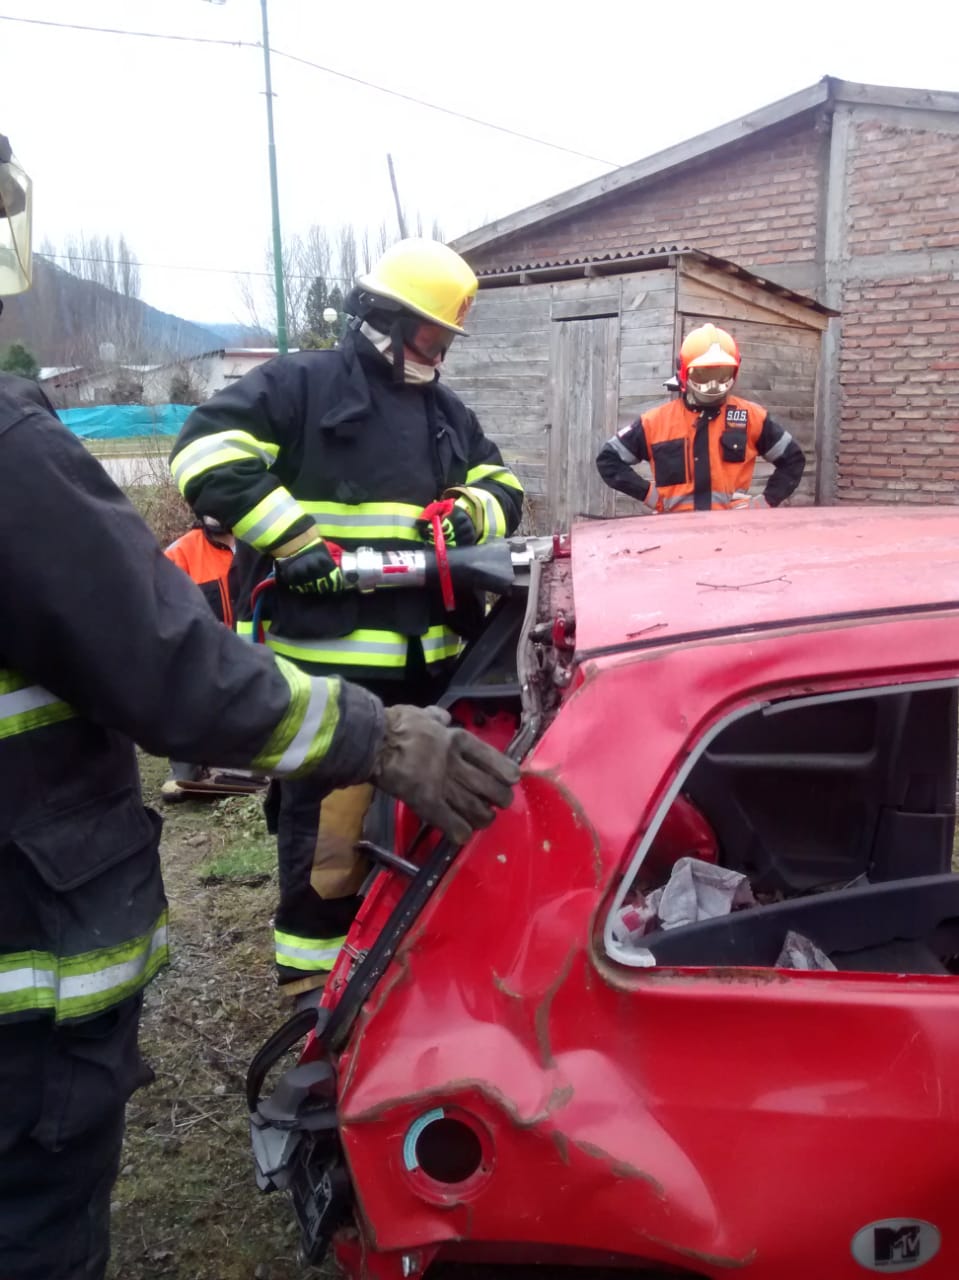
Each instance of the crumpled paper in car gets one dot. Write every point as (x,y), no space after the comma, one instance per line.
(696,890)
(800,952)
(699,890)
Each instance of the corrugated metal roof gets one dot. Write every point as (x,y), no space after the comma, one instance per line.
(619,262)
(584,260)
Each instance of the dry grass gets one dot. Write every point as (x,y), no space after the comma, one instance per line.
(155,494)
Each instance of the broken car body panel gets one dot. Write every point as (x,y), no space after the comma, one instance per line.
(702,1119)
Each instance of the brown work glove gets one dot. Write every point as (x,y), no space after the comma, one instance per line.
(447,776)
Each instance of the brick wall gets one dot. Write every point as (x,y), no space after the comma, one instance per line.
(902,189)
(899,373)
(755,204)
(899,359)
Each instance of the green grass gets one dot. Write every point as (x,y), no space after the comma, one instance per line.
(240,862)
(136,446)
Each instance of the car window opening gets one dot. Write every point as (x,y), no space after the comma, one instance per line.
(810,834)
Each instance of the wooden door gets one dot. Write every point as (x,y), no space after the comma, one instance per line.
(584,368)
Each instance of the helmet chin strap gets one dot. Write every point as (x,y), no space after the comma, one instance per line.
(413,373)
(398,350)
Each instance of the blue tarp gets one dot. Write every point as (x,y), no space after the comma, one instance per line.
(121,421)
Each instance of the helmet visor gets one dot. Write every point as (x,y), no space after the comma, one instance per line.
(15,216)
(430,341)
(710,383)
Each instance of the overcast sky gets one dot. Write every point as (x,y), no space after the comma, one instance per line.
(166,141)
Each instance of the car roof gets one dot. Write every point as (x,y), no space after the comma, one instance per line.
(649,581)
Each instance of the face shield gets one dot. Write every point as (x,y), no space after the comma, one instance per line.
(15,216)
(430,342)
(709,384)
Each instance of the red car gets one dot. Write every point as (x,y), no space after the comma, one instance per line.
(689,1007)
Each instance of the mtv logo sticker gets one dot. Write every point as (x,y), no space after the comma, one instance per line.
(894,1245)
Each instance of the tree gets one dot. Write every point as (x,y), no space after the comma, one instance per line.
(126,389)
(316,266)
(184,388)
(17,359)
(318,332)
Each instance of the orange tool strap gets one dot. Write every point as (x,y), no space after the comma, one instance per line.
(436,512)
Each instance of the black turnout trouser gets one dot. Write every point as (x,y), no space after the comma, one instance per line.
(293,812)
(63,1092)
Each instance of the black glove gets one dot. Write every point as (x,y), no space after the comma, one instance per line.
(458,529)
(313,570)
(447,776)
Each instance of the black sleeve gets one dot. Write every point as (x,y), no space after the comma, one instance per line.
(777,446)
(95,612)
(618,456)
(224,456)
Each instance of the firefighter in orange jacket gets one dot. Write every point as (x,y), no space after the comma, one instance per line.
(206,554)
(702,446)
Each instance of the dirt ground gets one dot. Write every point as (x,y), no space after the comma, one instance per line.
(186,1206)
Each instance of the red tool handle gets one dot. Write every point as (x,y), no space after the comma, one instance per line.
(435,513)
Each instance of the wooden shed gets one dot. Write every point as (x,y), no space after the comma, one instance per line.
(562,354)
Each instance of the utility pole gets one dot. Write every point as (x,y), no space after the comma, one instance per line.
(281,334)
(396,197)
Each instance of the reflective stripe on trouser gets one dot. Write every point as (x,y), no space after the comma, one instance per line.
(367,521)
(269,521)
(25,706)
(309,954)
(719,501)
(367,647)
(210,452)
(78,986)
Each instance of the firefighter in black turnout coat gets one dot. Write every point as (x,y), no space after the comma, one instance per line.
(105,642)
(318,451)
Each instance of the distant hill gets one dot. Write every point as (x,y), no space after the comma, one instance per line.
(239,335)
(63,320)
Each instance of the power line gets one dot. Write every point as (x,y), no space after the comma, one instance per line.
(316,66)
(122,31)
(170,266)
(460,115)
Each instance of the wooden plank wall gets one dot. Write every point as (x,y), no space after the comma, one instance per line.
(647,353)
(585,404)
(506,373)
(502,372)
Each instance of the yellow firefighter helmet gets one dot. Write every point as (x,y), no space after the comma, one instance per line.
(427,278)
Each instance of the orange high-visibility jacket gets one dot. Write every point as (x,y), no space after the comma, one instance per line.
(701,459)
(209,566)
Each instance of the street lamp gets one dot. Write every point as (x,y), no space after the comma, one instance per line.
(281,335)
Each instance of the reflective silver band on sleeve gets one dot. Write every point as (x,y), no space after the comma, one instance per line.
(779,448)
